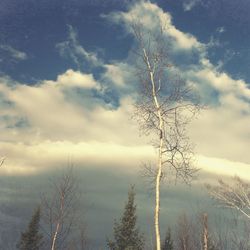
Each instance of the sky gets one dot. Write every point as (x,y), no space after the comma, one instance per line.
(67,87)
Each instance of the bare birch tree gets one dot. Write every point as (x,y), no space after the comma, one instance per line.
(164,108)
(235,195)
(185,234)
(193,233)
(59,209)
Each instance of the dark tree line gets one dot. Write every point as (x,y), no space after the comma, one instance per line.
(188,234)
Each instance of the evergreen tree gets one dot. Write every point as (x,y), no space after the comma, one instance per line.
(168,242)
(31,239)
(126,234)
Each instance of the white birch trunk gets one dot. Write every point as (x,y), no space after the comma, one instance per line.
(59,221)
(157,197)
(55,236)
(205,232)
(159,170)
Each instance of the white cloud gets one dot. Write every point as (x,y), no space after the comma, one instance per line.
(190,4)
(73,49)
(119,74)
(32,158)
(152,17)
(220,81)
(73,78)
(223,167)
(221,29)
(115,74)
(222,132)
(45,107)
(53,115)
(14,53)
(59,128)
(222,129)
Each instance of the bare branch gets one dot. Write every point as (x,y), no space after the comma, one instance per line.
(235,196)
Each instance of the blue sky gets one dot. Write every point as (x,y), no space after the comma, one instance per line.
(35,29)
(67,87)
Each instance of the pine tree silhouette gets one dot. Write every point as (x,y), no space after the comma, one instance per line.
(126,234)
(31,239)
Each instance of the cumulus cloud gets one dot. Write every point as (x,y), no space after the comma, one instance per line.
(57,126)
(73,78)
(206,74)
(152,17)
(120,74)
(52,114)
(115,74)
